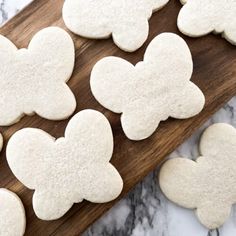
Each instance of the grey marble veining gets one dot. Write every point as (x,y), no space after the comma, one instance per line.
(145,211)
(8,8)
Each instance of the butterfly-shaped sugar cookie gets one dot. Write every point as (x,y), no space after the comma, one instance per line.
(208,184)
(67,170)
(151,91)
(198,18)
(34,80)
(125,20)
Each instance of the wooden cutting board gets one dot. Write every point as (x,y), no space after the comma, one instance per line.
(214,73)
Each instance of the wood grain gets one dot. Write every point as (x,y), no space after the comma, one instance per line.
(214,73)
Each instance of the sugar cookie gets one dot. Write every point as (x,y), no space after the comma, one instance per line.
(126,20)
(154,89)
(198,18)
(12,214)
(207,184)
(69,169)
(34,80)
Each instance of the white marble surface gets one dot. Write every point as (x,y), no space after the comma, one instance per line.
(145,211)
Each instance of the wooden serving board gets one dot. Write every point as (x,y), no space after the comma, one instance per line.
(214,73)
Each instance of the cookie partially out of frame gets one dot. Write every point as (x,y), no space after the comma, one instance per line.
(12,214)
(207,185)
(200,17)
(125,20)
(34,80)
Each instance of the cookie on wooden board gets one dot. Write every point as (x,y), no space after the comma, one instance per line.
(126,21)
(207,185)
(66,170)
(198,18)
(151,91)
(34,80)
(12,214)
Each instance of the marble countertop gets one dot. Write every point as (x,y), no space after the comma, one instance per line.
(145,211)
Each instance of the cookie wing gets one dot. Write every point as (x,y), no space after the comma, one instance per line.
(49,205)
(53,49)
(24,154)
(111,82)
(214,214)
(217,141)
(195,19)
(55,102)
(169,55)
(139,121)
(187,102)
(87,18)
(176,180)
(101,183)
(132,35)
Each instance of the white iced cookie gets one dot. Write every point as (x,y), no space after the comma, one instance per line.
(69,169)
(12,214)
(34,80)
(1,142)
(200,17)
(126,20)
(154,89)
(208,184)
